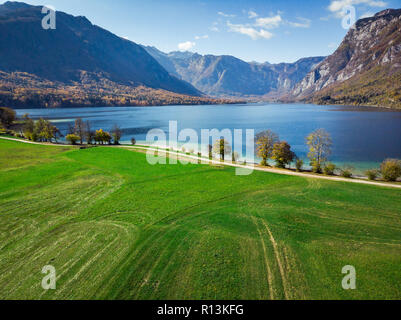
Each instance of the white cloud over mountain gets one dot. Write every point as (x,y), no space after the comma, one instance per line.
(186,46)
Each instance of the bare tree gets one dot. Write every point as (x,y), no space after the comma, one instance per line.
(116,132)
(222,148)
(79,129)
(319,143)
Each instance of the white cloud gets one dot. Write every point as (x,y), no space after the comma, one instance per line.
(226,15)
(337,6)
(367,15)
(250,31)
(202,37)
(332,45)
(214,27)
(186,46)
(302,23)
(269,22)
(252,14)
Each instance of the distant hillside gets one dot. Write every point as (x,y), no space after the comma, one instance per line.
(76,53)
(229,76)
(364,70)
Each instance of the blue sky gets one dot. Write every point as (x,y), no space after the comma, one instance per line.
(253,30)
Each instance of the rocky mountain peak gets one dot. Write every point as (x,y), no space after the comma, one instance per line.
(372,45)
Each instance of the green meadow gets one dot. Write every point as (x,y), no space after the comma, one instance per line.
(115,227)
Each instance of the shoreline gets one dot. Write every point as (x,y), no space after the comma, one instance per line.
(254,167)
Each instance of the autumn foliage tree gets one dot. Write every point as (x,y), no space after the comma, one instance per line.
(72,138)
(102,137)
(7,116)
(265,142)
(391,169)
(282,154)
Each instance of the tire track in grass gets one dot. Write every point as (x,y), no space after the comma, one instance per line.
(266,259)
(41,252)
(163,272)
(280,265)
(140,249)
(87,264)
(162,253)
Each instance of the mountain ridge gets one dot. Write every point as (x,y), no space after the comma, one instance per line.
(364,70)
(80,64)
(229,76)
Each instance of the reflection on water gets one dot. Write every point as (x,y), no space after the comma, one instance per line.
(362,137)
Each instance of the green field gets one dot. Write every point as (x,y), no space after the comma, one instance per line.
(115,227)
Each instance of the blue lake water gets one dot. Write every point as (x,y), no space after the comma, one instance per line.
(362,137)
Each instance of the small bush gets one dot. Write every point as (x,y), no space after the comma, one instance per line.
(299,164)
(329,169)
(316,167)
(346,173)
(391,169)
(133,141)
(372,174)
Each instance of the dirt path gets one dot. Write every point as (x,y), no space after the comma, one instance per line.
(249,167)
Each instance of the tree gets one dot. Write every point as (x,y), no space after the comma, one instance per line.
(89,134)
(80,129)
(329,169)
(210,148)
(7,116)
(43,130)
(133,141)
(72,138)
(391,169)
(265,142)
(28,127)
(222,148)
(346,171)
(234,156)
(299,164)
(57,133)
(282,154)
(319,143)
(372,174)
(116,132)
(102,136)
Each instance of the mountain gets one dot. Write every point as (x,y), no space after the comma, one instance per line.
(229,76)
(58,64)
(364,70)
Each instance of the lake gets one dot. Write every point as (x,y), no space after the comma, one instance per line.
(362,137)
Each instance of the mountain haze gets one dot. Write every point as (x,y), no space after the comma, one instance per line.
(230,76)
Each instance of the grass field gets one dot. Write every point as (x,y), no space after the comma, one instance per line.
(115,227)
